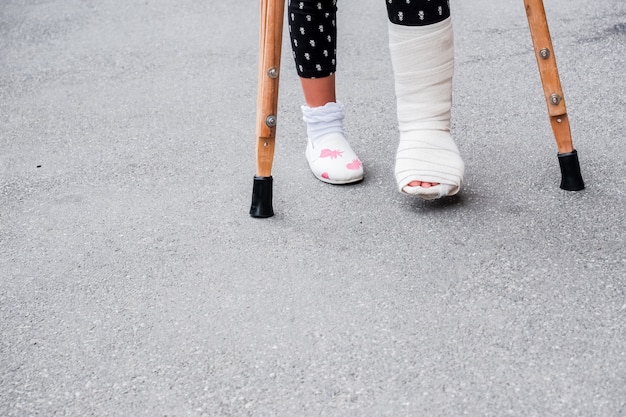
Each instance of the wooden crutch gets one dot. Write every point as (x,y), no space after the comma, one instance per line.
(571,178)
(270,45)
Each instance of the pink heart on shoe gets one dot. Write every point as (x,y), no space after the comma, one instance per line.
(356,164)
(325,175)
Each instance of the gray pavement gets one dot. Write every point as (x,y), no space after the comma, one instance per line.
(134,283)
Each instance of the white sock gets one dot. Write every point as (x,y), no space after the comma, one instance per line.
(423,64)
(324,120)
(328,152)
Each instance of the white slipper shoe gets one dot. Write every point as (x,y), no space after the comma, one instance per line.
(329,154)
(332,160)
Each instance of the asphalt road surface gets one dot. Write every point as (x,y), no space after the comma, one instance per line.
(133,282)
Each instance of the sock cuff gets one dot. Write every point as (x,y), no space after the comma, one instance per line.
(329,112)
(324,120)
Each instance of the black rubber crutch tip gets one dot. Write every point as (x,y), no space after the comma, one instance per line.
(262,197)
(571,179)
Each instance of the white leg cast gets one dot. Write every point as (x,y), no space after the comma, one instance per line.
(423,64)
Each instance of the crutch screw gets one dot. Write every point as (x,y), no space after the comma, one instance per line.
(272,72)
(270,120)
(544,53)
(555,99)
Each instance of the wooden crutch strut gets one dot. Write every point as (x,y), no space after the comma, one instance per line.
(571,178)
(270,45)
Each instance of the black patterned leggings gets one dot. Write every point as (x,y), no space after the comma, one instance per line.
(313,30)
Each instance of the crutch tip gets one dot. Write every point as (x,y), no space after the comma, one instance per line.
(262,198)
(571,178)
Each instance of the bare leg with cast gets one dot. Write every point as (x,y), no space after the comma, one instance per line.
(428,163)
(423,65)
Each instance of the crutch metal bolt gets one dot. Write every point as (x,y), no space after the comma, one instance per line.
(270,45)
(271,121)
(571,178)
(272,72)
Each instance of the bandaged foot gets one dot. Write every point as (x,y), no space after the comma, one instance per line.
(328,152)
(423,64)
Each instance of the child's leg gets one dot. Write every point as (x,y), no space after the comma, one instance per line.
(312,28)
(318,91)
(428,163)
